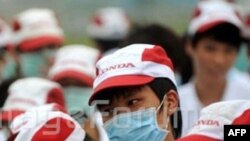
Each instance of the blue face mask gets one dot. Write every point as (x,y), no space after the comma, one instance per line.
(77,99)
(32,64)
(248,65)
(135,126)
(36,63)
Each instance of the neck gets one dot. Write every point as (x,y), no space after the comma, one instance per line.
(170,136)
(209,90)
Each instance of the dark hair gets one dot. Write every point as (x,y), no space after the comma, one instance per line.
(225,32)
(105,45)
(160,86)
(187,68)
(158,35)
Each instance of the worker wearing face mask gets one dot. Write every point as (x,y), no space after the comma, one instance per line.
(37,37)
(74,69)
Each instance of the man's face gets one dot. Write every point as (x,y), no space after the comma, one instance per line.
(212,58)
(143,99)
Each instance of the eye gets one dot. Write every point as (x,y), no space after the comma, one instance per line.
(107,109)
(133,102)
(210,47)
(230,49)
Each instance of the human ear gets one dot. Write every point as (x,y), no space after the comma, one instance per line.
(189,48)
(171,102)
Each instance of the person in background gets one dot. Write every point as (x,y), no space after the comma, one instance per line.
(214,41)
(74,69)
(37,35)
(159,35)
(247,37)
(210,125)
(28,93)
(51,122)
(6,45)
(6,48)
(108,27)
(135,90)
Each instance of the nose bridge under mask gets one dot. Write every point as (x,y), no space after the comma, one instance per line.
(77,98)
(32,63)
(140,125)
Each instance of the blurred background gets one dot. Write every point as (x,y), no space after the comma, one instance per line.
(74,14)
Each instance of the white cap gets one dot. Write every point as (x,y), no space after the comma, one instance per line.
(246,31)
(46,123)
(210,126)
(6,34)
(109,23)
(75,61)
(136,64)
(36,28)
(30,92)
(209,14)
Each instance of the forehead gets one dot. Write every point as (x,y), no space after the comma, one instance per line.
(215,43)
(125,92)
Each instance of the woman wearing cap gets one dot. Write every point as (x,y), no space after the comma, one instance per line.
(215,38)
(135,90)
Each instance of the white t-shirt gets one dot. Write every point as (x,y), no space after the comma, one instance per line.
(2,136)
(236,88)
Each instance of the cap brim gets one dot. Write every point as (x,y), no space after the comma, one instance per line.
(120,81)
(213,24)
(6,116)
(74,75)
(37,43)
(197,138)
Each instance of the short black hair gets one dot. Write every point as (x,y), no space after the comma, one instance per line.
(157,34)
(105,45)
(160,86)
(224,32)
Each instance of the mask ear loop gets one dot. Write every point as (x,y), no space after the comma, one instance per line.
(159,107)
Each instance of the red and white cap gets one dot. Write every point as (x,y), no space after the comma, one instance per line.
(210,126)
(45,123)
(246,31)
(136,64)
(35,28)
(30,92)
(209,14)
(109,23)
(6,34)
(75,61)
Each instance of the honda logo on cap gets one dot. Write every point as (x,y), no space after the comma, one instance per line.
(115,67)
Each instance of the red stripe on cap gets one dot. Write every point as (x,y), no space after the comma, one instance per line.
(37,43)
(210,25)
(56,129)
(243,119)
(7,116)
(158,55)
(127,80)
(197,138)
(56,96)
(86,79)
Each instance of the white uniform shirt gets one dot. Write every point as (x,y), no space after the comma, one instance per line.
(236,88)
